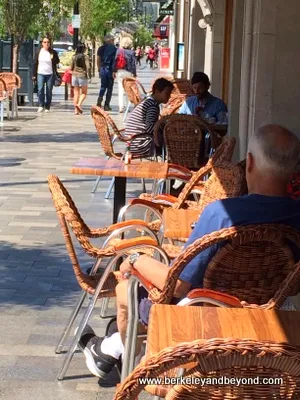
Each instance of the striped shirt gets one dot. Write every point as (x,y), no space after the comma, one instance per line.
(140,124)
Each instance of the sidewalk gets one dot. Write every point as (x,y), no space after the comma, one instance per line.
(37,286)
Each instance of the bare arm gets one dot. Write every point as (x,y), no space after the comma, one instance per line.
(98,63)
(155,272)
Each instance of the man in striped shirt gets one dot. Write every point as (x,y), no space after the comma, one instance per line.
(142,119)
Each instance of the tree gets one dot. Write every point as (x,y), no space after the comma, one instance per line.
(18,17)
(49,20)
(143,36)
(96,14)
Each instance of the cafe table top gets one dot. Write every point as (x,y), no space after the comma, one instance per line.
(112,167)
(177,222)
(170,325)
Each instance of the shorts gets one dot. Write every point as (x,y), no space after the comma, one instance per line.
(144,305)
(79,81)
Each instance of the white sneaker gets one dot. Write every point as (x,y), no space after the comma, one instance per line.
(40,109)
(47,111)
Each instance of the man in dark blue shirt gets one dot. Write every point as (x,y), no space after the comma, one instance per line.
(272,157)
(105,62)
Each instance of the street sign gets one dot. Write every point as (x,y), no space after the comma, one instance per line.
(163,30)
(70,29)
(76,21)
(163,12)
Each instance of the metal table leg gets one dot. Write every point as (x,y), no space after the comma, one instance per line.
(119,197)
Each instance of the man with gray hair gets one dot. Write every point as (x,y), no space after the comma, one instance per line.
(272,157)
(105,62)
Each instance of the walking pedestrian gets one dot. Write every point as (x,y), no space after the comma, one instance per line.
(44,72)
(138,55)
(105,61)
(124,67)
(151,56)
(80,73)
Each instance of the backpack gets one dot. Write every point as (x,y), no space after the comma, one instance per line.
(79,61)
(120,60)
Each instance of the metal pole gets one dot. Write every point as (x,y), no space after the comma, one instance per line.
(76,30)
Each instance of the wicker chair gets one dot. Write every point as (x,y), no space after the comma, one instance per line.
(135,93)
(108,133)
(184,139)
(226,180)
(96,285)
(233,358)
(13,83)
(3,96)
(255,265)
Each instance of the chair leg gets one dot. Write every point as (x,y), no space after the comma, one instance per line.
(1,112)
(132,327)
(69,325)
(127,111)
(85,318)
(72,349)
(96,184)
(144,190)
(111,185)
(75,312)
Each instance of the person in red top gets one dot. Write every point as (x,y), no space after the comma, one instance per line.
(151,56)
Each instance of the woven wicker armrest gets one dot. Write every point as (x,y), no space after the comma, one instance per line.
(218,297)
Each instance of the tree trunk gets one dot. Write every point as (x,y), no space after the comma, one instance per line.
(16,50)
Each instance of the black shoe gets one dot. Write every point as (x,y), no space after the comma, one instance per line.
(112,327)
(99,101)
(98,363)
(107,107)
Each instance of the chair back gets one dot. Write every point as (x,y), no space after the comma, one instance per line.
(183,139)
(225,180)
(251,265)
(113,129)
(182,87)
(12,81)
(131,88)
(68,216)
(235,359)
(175,102)
(3,89)
(102,127)
(254,264)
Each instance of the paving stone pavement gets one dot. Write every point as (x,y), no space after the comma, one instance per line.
(37,286)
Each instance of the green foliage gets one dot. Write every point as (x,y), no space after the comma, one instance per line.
(49,20)
(96,13)
(143,36)
(18,16)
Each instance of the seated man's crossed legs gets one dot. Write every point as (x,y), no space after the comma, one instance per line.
(102,354)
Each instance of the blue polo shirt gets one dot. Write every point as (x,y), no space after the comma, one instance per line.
(213,106)
(238,211)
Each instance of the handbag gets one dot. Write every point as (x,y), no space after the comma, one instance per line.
(57,79)
(67,76)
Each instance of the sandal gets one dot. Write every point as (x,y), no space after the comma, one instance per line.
(79,109)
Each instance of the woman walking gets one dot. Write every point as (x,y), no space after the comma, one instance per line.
(80,73)
(125,66)
(45,69)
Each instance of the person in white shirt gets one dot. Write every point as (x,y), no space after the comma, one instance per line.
(45,68)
